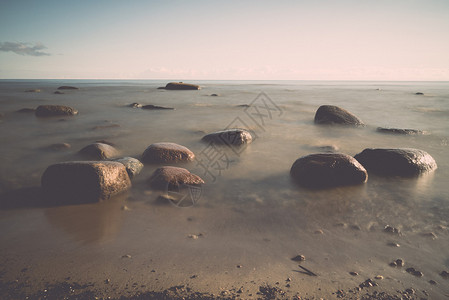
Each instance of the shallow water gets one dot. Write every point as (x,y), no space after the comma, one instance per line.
(252,196)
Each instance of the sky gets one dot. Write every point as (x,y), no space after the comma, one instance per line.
(225,40)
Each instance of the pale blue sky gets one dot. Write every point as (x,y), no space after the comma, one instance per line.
(309,39)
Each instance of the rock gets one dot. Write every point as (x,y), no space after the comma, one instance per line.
(444,274)
(396,162)
(135,105)
(330,114)
(84,181)
(243,105)
(419,93)
(171,177)
(33,91)
(299,257)
(99,151)
(400,131)
(181,86)
(55,110)
(328,170)
(67,87)
(230,137)
(167,153)
(155,107)
(26,110)
(133,166)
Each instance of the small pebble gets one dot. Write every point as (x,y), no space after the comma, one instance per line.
(444,274)
(380,277)
(354,273)
(390,229)
(319,231)
(299,257)
(393,264)
(400,262)
(287,285)
(193,236)
(239,266)
(393,244)
(107,281)
(356,227)
(288,279)
(432,282)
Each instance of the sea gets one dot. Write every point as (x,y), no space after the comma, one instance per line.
(248,191)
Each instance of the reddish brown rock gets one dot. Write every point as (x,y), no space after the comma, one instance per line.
(330,114)
(235,137)
(55,110)
(171,177)
(99,151)
(84,181)
(167,153)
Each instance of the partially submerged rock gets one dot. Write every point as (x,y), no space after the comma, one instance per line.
(33,91)
(167,153)
(235,137)
(181,86)
(328,170)
(155,107)
(84,181)
(67,87)
(135,105)
(400,131)
(99,151)
(171,177)
(396,162)
(330,114)
(55,110)
(133,166)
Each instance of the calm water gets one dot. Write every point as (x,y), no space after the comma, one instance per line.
(257,179)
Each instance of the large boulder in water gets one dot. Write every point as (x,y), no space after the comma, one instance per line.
(323,170)
(172,177)
(167,153)
(55,110)
(133,166)
(235,137)
(84,181)
(99,151)
(330,114)
(181,86)
(396,162)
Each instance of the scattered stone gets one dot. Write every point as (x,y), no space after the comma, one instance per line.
(393,244)
(135,105)
(330,114)
(400,131)
(328,170)
(172,177)
(193,236)
(167,153)
(288,279)
(243,105)
(33,91)
(125,208)
(396,162)
(155,107)
(126,256)
(353,273)
(214,95)
(181,86)
(106,126)
(67,87)
(287,285)
(84,181)
(393,264)
(356,227)
(419,93)
(59,146)
(367,284)
(26,110)
(239,266)
(379,277)
(432,282)
(55,110)
(390,229)
(400,262)
(444,274)
(107,281)
(133,165)
(99,151)
(414,272)
(235,137)
(319,231)
(299,257)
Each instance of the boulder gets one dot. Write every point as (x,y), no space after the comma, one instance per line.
(167,153)
(172,177)
(133,166)
(67,87)
(181,86)
(400,131)
(99,151)
(324,170)
(396,162)
(135,105)
(235,137)
(330,114)
(55,110)
(84,181)
(155,107)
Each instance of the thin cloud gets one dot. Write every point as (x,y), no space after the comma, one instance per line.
(24,48)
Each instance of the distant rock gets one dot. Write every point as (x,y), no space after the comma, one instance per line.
(84,181)
(214,95)
(135,105)
(99,151)
(324,170)
(55,110)
(26,110)
(230,136)
(33,91)
(155,107)
(419,93)
(396,162)
(133,166)
(67,87)
(330,114)
(172,177)
(181,86)
(243,105)
(400,131)
(167,153)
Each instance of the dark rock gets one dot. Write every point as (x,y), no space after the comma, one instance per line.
(214,95)
(135,105)
(155,107)
(444,274)
(330,114)
(133,166)
(67,87)
(58,93)
(26,110)
(400,131)
(230,136)
(171,177)
(33,91)
(419,93)
(390,229)
(299,257)
(84,181)
(328,170)
(243,105)
(181,86)
(99,151)
(167,153)
(396,162)
(55,110)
